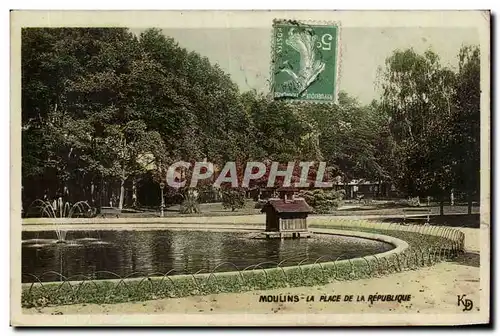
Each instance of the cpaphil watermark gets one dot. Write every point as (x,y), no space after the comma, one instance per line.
(299,174)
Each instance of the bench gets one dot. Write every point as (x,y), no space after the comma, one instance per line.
(417,211)
(109,211)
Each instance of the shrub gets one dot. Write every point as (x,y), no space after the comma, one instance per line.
(414,201)
(260,204)
(190,204)
(323,201)
(233,199)
(410,202)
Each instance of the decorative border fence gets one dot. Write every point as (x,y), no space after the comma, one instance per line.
(427,245)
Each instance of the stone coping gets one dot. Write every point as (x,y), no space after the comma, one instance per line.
(257,219)
(400,247)
(149,227)
(229,219)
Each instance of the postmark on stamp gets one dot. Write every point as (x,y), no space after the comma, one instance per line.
(305,61)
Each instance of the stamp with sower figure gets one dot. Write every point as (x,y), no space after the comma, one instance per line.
(305,61)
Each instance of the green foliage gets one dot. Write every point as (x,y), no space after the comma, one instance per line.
(101,106)
(190,203)
(106,101)
(417,92)
(350,137)
(465,123)
(276,128)
(233,199)
(428,105)
(411,202)
(323,201)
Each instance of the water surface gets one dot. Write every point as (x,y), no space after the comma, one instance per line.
(112,254)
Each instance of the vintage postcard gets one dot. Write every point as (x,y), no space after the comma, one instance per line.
(250,168)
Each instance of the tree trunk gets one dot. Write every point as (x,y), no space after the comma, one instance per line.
(134,193)
(122,193)
(100,193)
(441,205)
(469,203)
(92,193)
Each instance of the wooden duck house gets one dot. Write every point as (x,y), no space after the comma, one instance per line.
(286,216)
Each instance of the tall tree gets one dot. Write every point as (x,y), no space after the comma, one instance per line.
(348,135)
(417,96)
(85,75)
(465,144)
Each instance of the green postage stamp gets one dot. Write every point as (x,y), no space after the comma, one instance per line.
(305,61)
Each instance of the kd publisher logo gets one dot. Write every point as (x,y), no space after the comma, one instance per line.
(467,303)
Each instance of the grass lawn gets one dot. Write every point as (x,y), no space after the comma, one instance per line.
(386,209)
(206,209)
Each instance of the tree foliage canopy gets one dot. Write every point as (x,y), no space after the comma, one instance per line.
(102,106)
(433,117)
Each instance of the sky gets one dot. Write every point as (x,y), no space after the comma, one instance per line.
(245,53)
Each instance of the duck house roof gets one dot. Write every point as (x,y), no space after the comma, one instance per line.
(282,206)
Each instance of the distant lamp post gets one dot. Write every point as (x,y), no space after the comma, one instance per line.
(162,206)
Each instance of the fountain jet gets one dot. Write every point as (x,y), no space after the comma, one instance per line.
(60,209)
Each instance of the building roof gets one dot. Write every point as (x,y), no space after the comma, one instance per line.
(281,206)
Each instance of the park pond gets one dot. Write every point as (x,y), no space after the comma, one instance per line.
(108,254)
